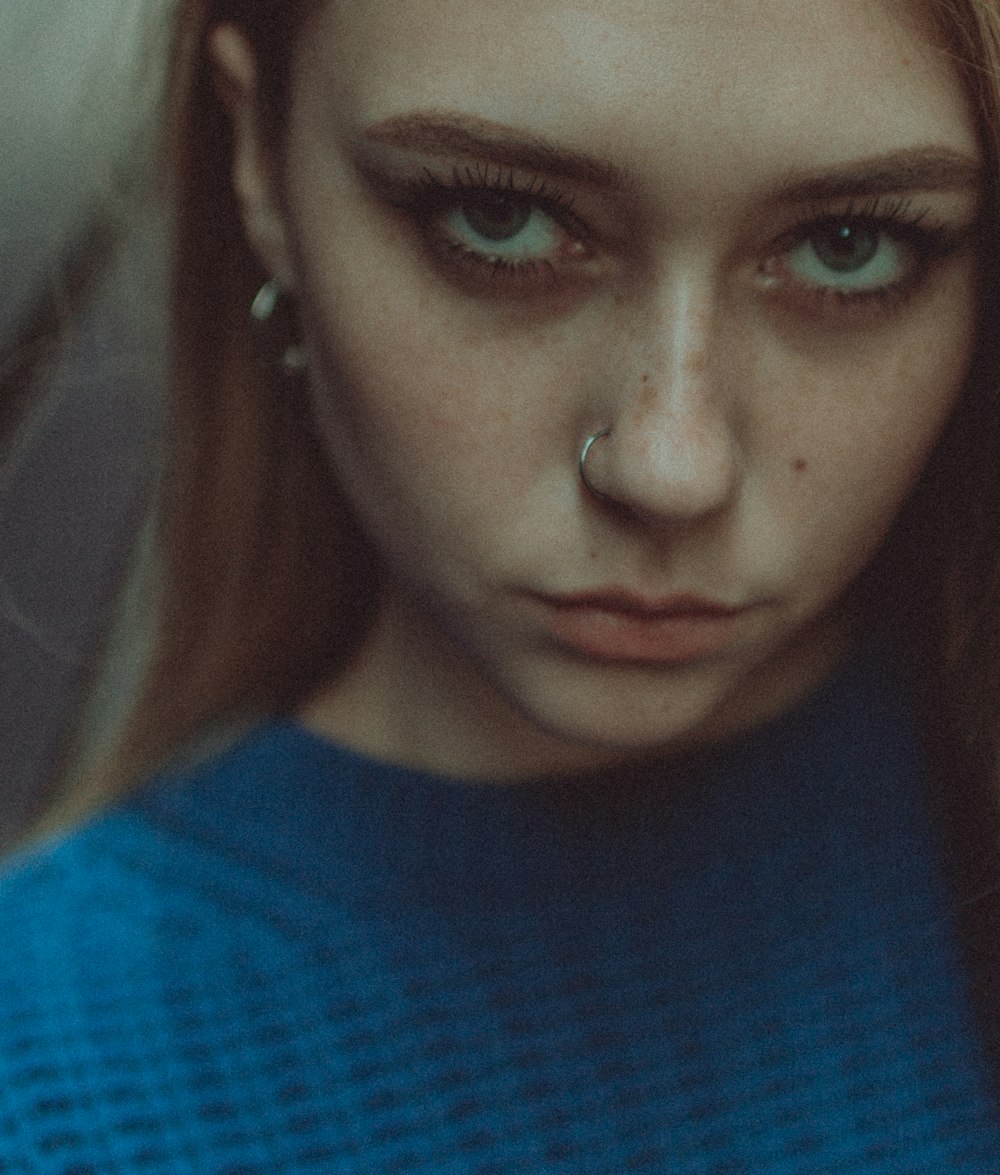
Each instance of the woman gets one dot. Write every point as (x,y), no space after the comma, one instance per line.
(607,521)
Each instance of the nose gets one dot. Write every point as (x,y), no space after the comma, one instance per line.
(669,450)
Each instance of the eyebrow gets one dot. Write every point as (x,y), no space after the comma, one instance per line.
(929,169)
(916,169)
(464,136)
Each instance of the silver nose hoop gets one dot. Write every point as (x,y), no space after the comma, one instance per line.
(582,464)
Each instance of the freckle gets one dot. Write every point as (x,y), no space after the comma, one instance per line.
(799,465)
(645,377)
(646,397)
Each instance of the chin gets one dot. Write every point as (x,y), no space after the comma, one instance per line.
(630,719)
(629,710)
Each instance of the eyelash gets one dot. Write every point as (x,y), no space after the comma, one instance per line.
(888,217)
(429,197)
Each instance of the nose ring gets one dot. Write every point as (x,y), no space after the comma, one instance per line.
(584,452)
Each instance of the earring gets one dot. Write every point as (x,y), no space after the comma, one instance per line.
(266,300)
(270,311)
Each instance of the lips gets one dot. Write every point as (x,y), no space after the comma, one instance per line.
(620,626)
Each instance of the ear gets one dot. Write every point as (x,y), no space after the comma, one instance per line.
(253,171)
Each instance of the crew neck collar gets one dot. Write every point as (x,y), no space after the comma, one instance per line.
(337,822)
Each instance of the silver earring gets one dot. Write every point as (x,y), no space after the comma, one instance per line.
(266,300)
(266,309)
(584,452)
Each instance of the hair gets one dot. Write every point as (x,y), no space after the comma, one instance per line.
(264,582)
(264,574)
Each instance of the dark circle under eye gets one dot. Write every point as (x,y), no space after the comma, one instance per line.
(845,246)
(497,218)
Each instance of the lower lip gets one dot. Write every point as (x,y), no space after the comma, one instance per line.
(656,639)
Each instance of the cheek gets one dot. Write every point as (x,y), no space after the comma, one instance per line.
(428,424)
(856,441)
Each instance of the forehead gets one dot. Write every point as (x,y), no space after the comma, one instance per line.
(638,80)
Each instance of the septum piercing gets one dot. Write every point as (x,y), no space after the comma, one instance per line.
(583,463)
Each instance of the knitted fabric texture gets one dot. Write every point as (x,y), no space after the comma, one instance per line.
(292,959)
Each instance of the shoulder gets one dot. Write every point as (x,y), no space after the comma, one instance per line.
(167,873)
(104,901)
(143,940)
(170,846)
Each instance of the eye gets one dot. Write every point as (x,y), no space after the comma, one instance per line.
(855,265)
(503,227)
(856,255)
(495,233)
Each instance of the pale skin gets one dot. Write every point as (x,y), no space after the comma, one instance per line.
(771,401)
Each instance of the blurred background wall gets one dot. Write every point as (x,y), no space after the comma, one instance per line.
(81,355)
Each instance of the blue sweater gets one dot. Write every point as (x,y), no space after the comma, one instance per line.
(292,959)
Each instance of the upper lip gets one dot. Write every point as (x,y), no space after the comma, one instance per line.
(629,603)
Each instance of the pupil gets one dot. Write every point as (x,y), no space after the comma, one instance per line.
(497,218)
(846,247)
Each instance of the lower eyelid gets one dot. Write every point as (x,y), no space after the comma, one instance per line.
(542,284)
(829,308)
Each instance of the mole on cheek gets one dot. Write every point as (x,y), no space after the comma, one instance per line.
(799,465)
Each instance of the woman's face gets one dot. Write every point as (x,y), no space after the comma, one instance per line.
(740,236)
